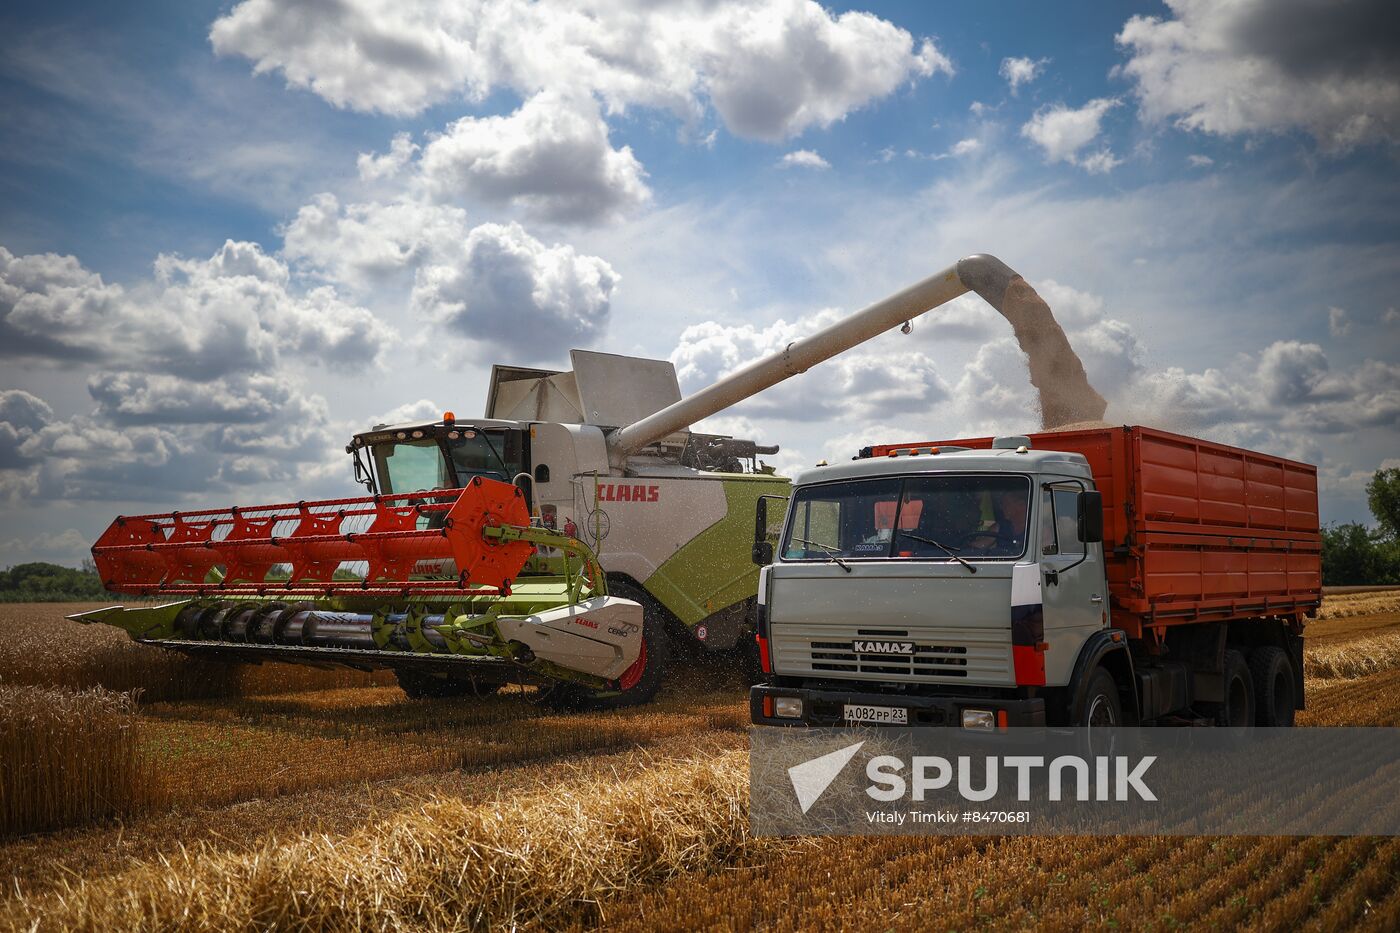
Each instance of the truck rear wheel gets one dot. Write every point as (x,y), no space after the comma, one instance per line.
(1273,686)
(1237,709)
(419,685)
(639,683)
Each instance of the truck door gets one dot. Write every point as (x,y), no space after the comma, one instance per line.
(1072,580)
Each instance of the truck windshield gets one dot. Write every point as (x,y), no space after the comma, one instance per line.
(977,516)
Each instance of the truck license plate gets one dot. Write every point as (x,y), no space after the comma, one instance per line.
(888,715)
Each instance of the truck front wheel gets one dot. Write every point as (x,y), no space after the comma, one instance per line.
(1103,707)
(1273,686)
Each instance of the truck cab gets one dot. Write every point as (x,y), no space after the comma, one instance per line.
(933,586)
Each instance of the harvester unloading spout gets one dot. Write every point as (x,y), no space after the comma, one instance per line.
(1056,372)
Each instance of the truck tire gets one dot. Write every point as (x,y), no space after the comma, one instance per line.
(1103,707)
(419,685)
(1274,695)
(639,684)
(1237,709)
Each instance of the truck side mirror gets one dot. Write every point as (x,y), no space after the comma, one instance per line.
(762,548)
(1090,516)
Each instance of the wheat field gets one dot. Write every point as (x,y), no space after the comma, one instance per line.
(353,808)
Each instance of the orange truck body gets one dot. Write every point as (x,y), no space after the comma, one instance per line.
(1194,531)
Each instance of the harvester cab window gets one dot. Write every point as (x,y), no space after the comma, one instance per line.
(410,466)
(498,455)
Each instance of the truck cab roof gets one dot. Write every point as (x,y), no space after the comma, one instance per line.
(952,461)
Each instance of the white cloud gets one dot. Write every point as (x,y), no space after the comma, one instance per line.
(1270,66)
(803,158)
(1338,323)
(769,69)
(1019,71)
(1062,133)
(966,147)
(551,157)
(1199,161)
(367,245)
(199,319)
(503,287)
(1100,163)
(1391,316)
(401,151)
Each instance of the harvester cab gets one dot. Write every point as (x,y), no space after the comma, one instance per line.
(564,538)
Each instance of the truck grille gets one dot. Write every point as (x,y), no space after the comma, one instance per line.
(963,656)
(945,660)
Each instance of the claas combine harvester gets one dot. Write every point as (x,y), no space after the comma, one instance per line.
(565,539)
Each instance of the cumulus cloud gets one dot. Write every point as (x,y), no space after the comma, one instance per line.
(552,157)
(1063,133)
(126,398)
(22,415)
(493,283)
(803,158)
(503,287)
(1019,71)
(1199,161)
(366,245)
(769,69)
(374,167)
(191,375)
(1270,66)
(199,319)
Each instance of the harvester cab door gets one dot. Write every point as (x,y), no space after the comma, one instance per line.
(1072,579)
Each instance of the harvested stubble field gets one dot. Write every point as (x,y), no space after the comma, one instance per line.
(355,808)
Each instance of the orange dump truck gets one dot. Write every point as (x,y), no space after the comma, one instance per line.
(1106,576)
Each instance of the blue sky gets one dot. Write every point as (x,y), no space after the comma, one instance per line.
(233,233)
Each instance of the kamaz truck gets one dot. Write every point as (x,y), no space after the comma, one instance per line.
(1100,577)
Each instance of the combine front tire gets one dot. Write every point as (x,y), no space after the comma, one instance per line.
(423,686)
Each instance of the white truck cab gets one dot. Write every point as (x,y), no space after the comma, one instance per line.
(937,587)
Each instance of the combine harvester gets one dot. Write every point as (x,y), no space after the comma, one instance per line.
(562,540)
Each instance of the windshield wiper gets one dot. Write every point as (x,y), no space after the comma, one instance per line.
(830,552)
(951,552)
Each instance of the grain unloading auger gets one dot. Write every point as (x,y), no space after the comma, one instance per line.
(613,504)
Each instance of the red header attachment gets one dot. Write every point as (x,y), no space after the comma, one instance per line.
(389,537)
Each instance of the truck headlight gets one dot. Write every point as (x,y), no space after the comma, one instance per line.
(979,719)
(787,707)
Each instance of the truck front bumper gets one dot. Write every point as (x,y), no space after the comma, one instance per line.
(827,707)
